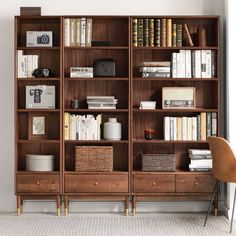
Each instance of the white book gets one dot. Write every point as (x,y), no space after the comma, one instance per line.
(188,66)
(178,65)
(208,64)
(201,162)
(189,128)
(167,128)
(171,128)
(182,64)
(89,32)
(197,63)
(174,64)
(203,63)
(194,128)
(77,128)
(99,122)
(184,128)
(24,67)
(29,66)
(175,130)
(83,32)
(67,32)
(72,32)
(200,151)
(35,62)
(73,128)
(19,62)
(77,32)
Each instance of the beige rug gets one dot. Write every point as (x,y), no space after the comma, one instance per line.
(113,225)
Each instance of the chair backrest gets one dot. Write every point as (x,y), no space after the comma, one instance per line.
(223,159)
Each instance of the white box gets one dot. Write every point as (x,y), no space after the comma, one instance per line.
(36,162)
(39,38)
(40,96)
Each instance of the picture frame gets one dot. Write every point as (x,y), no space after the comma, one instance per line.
(37,126)
(178,98)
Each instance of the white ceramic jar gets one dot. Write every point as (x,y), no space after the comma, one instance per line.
(112,129)
(36,162)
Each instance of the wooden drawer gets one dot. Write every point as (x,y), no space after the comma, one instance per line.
(154,183)
(38,183)
(196,183)
(96,183)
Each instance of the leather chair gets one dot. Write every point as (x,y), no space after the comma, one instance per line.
(223,167)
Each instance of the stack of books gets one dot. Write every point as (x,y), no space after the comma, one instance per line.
(101,102)
(200,160)
(147,105)
(78,32)
(155,69)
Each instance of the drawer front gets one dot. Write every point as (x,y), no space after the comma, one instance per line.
(154,183)
(195,183)
(96,183)
(38,183)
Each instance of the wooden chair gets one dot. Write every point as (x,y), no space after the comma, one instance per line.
(223,167)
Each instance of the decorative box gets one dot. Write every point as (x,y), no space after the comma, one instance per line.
(158,162)
(94,158)
(35,162)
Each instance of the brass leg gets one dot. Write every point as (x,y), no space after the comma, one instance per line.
(58,205)
(216,211)
(18,205)
(66,205)
(126,205)
(21,206)
(134,205)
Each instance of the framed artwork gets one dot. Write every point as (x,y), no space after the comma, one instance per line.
(37,126)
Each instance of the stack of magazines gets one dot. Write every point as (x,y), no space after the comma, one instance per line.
(101,102)
(147,105)
(200,160)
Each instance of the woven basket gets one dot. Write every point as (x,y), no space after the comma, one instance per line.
(93,158)
(158,162)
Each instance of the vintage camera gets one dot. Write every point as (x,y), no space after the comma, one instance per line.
(38,73)
(37,95)
(43,39)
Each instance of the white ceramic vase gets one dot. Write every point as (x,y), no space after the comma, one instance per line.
(112,129)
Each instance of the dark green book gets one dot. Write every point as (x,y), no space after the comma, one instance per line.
(135,32)
(151,32)
(140,32)
(145,33)
(174,35)
(179,35)
(157,32)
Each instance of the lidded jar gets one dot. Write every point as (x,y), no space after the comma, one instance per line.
(112,129)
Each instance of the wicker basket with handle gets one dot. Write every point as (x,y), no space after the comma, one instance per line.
(93,158)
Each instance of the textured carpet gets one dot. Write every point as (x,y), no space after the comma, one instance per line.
(113,225)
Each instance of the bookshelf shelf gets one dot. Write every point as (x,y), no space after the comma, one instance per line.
(97,173)
(142,141)
(136,110)
(98,48)
(39,48)
(38,79)
(96,79)
(96,141)
(176,79)
(96,110)
(38,110)
(175,48)
(38,141)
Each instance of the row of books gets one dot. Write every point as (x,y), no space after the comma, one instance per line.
(26,64)
(150,32)
(78,32)
(193,64)
(101,102)
(200,160)
(82,127)
(190,128)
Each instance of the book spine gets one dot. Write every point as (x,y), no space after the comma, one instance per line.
(72,32)
(89,32)
(67,32)
(163,32)
(151,32)
(198,127)
(175,129)
(194,128)
(203,126)
(193,64)
(179,35)
(208,124)
(184,128)
(179,128)
(189,128)
(214,124)
(197,63)
(174,65)
(29,66)
(135,32)
(77,32)
(203,63)
(157,32)
(213,64)
(167,128)
(208,64)
(83,32)
(188,37)
(35,62)
(182,63)
(188,72)
(145,32)
(66,126)
(24,66)
(174,44)
(140,32)
(19,63)
(169,33)
(178,65)
(171,128)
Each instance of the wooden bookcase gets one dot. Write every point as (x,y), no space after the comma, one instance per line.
(127,178)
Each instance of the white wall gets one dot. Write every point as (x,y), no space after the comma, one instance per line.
(69,7)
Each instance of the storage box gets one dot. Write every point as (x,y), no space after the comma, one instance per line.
(93,158)
(36,162)
(178,97)
(158,162)
(40,96)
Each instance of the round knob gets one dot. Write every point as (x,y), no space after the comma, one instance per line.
(38,182)
(196,183)
(96,183)
(154,184)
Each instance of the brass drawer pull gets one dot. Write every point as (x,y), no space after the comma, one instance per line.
(96,183)
(38,183)
(196,184)
(154,184)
